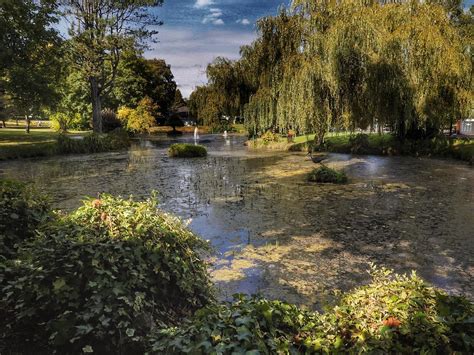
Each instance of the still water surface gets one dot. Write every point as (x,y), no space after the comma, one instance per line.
(276,234)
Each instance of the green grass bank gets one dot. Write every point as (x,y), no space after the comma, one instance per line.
(16,143)
(374,144)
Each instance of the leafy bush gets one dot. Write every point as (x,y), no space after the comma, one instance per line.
(398,314)
(249,325)
(360,144)
(270,137)
(63,122)
(93,143)
(394,314)
(140,119)
(22,210)
(102,278)
(324,174)
(118,276)
(182,150)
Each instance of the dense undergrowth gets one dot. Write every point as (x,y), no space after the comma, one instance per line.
(101,278)
(119,276)
(374,144)
(91,143)
(183,150)
(393,314)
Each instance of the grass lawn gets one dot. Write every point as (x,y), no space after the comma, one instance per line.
(16,143)
(14,136)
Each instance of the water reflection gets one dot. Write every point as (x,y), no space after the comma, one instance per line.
(275,233)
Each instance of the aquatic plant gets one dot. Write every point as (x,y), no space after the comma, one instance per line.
(323,174)
(100,279)
(183,150)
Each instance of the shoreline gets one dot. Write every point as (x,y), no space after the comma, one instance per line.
(460,150)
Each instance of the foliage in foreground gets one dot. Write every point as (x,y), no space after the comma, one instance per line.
(182,150)
(324,174)
(22,210)
(399,314)
(101,279)
(118,276)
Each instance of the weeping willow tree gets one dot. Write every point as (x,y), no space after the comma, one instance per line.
(353,64)
(269,61)
(206,104)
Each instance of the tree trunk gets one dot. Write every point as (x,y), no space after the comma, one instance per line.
(27,122)
(96,105)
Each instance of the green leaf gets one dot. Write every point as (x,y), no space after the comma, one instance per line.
(87,349)
(59,284)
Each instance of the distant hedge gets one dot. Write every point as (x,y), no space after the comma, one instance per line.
(183,150)
(93,143)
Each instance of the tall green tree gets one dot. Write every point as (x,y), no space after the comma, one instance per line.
(101,30)
(178,100)
(138,78)
(161,86)
(29,54)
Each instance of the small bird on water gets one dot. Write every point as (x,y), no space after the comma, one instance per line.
(317,159)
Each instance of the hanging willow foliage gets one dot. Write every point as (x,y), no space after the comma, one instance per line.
(354,64)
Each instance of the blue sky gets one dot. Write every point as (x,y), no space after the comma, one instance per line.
(197,31)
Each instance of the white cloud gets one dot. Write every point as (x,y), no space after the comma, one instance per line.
(203,3)
(189,52)
(244,22)
(213,17)
(215,12)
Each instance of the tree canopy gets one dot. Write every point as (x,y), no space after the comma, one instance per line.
(101,31)
(319,65)
(30,49)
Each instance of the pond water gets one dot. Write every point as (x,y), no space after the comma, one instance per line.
(276,234)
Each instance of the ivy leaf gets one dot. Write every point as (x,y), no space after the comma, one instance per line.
(59,284)
(87,349)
